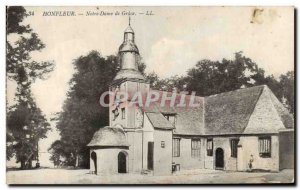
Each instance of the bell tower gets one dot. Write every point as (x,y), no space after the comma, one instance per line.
(129,57)
(128,82)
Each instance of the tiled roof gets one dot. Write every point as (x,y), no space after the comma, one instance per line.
(229,112)
(221,114)
(167,107)
(189,121)
(158,121)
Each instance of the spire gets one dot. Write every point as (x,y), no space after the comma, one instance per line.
(129,39)
(129,21)
(129,56)
(129,30)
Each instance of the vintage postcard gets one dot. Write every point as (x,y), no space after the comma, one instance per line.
(150,95)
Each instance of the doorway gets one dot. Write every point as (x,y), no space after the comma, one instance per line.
(219,159)
(150,155)
(122,162)
(94,158)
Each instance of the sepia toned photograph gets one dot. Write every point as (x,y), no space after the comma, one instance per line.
(150,95)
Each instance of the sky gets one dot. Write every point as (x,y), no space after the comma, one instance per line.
(170,41)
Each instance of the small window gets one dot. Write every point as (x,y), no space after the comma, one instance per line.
(196,148)
(123,113)
(176,147)
(265,147)
(234,146)
(171,118)
(163,145)
(209,147)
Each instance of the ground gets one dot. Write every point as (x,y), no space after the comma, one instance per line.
(82,176)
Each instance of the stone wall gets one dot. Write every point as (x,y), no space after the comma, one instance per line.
(185,159)
(134,138)
(249,145)
(230,163)
(162,156)
(147,137)
(130,88)
(107,160)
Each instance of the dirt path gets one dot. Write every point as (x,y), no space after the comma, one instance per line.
(64,176)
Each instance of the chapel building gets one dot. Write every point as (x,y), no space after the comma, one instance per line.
(241,130)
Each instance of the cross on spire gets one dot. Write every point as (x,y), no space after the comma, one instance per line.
(129,20)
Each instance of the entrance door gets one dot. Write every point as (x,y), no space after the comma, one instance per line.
(219,158)
(122,167)
(150,155)
(94,158)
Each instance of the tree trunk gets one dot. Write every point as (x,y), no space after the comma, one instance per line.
(76,161)
(29,163)
(22,164)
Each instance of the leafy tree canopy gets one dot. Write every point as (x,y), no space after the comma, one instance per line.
(212,77)
(26,123)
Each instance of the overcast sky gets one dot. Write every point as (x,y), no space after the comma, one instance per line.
(170,41)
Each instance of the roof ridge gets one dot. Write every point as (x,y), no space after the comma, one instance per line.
(177,93)
(240,89)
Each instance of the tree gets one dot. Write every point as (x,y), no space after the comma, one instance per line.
(19,65)
(25,122)
(212,77)
(61,153)
(82,115)
(15,16)
(26,125)
(174,83)
(287,85)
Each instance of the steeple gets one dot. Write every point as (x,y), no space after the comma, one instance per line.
(129,57)
(129,20)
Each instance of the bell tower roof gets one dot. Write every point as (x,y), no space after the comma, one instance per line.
(128,44)
(129,57)
(129,29)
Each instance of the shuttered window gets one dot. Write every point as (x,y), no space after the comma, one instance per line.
(234,147)
(176,147)
(265,147)
(196,148)
(171,118)
(209,147)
